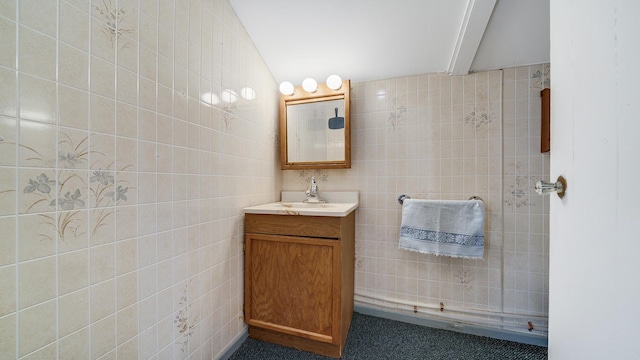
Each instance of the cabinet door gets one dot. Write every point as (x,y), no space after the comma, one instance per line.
(292,285)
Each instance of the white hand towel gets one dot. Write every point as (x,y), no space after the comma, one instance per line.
(443,227)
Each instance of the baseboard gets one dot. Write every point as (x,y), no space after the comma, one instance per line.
(235,345)
(454,326)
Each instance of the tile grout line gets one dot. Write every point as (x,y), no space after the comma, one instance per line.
(17,179)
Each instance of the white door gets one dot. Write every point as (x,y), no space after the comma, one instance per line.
(594,284)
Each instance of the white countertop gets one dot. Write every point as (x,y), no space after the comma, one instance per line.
(338,204)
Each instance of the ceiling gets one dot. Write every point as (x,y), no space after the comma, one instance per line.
(366,40)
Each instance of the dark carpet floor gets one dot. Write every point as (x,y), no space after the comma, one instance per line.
(377,338)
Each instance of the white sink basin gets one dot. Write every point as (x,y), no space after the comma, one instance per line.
(342,205)
(304,205)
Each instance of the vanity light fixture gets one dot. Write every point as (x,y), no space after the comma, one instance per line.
(286,88)
(309,85)
(334,82)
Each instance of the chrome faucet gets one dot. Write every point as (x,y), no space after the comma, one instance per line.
(312,193)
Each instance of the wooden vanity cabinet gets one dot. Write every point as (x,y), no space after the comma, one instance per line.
(299,279)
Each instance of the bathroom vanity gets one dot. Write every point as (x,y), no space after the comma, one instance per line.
(299,274)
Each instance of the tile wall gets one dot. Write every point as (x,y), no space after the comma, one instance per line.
(132,132)
(438,136)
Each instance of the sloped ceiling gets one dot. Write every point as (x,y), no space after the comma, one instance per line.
(366,40)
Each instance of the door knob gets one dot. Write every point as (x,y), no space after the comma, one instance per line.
(559,187)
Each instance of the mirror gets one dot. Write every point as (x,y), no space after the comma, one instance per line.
(315,128)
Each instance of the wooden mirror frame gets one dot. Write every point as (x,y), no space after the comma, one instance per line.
(324,93)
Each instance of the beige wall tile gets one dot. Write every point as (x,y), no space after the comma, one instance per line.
(148,125)
(8,92)
(74,26)
(128,55)
(165,165)
(75,346)
(7,192)
(102,152)
(36,54)
(73,312)
(103,299)
(147,342)
(102,263)
(148,60)
(126,256)
(36,281)
(126,120)
(103,336)
(73,271)
(147,281)
(37,236)
(126,222)
(8,132)
(102,115)
(8,40)
(74,107)
(127,323)
(146,250)
(48,352)
(147,219)
(148,31)
(8,9)
(127,288)
(37,327)
(147,312)
(37,144)
(102,229)
(8,334)
(37,99)
(127,160)
(102,38)
(129,350)
(127,86)
(148,188)
(73,67)
(39,16)
(8,294)
(8,240)
(165,331)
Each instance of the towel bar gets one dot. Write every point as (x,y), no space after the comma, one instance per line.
(402,197)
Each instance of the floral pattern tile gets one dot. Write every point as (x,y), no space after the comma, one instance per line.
(541,78)
(8,143)
(38,190)
(73,149)
(38,236)
(397,111)
(37,144)
(184,323)
(112,20)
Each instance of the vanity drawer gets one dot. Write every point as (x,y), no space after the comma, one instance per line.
(327,227)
